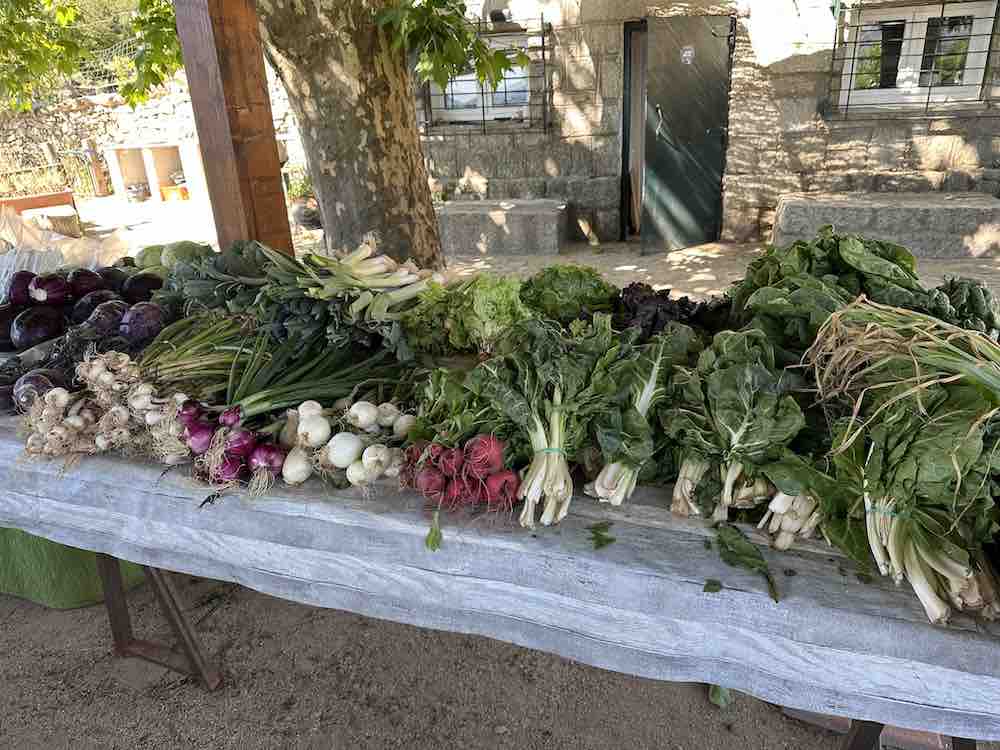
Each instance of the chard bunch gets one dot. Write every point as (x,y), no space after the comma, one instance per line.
(735,410)
(625,435)
(551,386)
(789,517)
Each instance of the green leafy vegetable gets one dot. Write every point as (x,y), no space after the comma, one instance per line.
(626,436)
(434,535)
(565,293)
(720,696)
(736,550)
(599,534)
(551,386)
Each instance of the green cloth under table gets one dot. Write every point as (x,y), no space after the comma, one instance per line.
(51,574)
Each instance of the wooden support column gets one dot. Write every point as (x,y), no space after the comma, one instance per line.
(224,61)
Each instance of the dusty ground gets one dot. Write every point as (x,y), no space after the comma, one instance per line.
(298,677)
(698,271)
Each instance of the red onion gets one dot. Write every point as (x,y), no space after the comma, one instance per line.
(267,456)
(189,413)
(484,455)
(431,483)
(228,471)
(231,417)
(199,436)
(240,443)
(450,461)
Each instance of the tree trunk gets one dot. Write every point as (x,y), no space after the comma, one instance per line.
(353,97)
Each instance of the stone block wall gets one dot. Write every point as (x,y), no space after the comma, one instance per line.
(781,141)
(578,159)
(166,118)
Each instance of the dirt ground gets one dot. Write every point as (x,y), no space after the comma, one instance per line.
(299,677)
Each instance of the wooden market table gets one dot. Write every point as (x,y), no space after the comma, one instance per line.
(833,644)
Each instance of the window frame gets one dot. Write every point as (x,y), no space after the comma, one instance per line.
(908,89)
(486,111)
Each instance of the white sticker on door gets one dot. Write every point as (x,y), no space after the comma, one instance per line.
(687,55)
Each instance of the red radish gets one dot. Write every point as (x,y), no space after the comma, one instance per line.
(228,471)
(501,490)
(231,417)
(450,462)
(484,455)
(240,443)
(455,493)
(431,483)
(199,437)
(433,453)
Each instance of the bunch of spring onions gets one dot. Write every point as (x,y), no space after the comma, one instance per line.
(198,353)
(376,284)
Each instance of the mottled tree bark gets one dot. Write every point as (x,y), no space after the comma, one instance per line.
(353,97)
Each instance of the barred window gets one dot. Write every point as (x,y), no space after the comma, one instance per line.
(914,55)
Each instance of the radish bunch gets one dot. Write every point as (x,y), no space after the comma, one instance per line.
(453,477)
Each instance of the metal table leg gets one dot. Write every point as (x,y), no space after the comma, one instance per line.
(189,660)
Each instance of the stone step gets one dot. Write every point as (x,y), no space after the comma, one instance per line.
(931,225)
(503,227)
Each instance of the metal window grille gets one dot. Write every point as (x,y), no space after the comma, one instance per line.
(915,59)
(519,103)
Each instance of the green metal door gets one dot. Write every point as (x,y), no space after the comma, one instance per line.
(687,110)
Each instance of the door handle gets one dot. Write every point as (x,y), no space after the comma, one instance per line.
(661,129)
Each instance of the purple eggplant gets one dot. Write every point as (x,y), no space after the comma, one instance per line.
(17,291)
(50,289)
(142,322)
(83,281)
(35,325)
(114,278)
(140,288)
(107,316)
(7,315)
(89,302)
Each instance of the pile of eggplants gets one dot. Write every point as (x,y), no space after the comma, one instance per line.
(52,319)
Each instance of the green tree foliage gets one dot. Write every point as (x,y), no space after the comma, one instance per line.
(445,43)
(42,42)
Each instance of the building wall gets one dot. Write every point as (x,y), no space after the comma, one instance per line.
(779,140)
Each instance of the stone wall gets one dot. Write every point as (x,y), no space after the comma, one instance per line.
(65,126)
(166,118)
(578,159)
(780,141)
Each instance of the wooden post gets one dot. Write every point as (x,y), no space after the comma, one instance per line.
(224,60)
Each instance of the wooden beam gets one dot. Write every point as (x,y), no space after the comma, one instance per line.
(224,60)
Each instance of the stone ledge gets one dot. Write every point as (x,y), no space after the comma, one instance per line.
(931,225)
(503,227)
